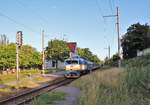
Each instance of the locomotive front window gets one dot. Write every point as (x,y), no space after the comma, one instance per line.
(72,62)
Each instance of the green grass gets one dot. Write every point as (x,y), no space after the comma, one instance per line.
(102,88)
(130,86)
(32,72)
(53,70)
(12,77)
(23,75)
(7,78)
(48,98)
(24,80)
(137,80)
(6,90)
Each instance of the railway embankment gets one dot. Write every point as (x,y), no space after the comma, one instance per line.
(129,85)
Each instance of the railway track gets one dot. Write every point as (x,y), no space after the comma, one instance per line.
(25,97)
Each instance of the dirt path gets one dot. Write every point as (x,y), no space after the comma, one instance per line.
(72,95)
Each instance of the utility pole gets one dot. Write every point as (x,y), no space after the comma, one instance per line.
(43,55)
(118,33)
(108,51)
(64,37)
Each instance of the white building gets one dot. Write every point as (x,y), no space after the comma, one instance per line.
(143,52)
(51,64)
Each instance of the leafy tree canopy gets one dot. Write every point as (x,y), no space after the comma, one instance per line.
(28,56)
(87,54)
(136,38)
(113,61)
(7,56)
(57,50)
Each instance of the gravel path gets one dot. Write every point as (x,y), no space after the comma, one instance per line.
(72,95)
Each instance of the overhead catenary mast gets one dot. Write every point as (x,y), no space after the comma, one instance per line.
(118,33)
(108,48)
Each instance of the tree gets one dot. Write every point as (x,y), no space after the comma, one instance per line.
(95,59)
(7,56)
(87,54)
(136,38)
(29,57)
(113,61)
(107,61)
(3,39)
(57,50)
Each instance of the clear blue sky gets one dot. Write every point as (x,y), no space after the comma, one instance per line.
(77,20)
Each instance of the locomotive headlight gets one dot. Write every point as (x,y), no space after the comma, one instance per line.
(83,67)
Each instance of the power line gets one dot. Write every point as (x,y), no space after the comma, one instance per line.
(113,3)
(110,5)
(16,22)
(101,15)
(104,22)
(32,11)
(99,8)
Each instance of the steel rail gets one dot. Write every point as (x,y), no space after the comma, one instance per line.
(22,98)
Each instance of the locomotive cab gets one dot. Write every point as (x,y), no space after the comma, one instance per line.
(76,66)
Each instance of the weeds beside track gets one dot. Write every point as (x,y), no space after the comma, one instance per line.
(113,86)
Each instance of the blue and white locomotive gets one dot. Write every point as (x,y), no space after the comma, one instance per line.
(76,66)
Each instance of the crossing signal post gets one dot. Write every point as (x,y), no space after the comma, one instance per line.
(19,42)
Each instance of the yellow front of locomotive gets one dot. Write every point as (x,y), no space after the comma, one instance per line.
(72,65)
(73,68)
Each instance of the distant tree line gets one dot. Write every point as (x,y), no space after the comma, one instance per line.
(113,61)
(29,57)
(87,54)
(58,50)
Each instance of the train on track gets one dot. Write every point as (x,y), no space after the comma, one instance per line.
(76,66)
